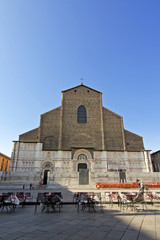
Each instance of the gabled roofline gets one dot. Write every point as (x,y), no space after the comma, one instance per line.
(5,156)
(112,112)
(155,152)
(133,133)
(80,86)
(35,129)
(50,110)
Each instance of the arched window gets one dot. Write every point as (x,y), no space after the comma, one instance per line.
(47,165)
(81,115)
(82,157)
(50,143)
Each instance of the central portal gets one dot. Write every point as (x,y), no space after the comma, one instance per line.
(83,174)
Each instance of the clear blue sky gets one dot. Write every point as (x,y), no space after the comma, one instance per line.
(48,46)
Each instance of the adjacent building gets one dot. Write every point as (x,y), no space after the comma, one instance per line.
(155,157)
(4,163)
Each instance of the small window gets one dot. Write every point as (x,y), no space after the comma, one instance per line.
(47,165)
(82,157)
(81,115)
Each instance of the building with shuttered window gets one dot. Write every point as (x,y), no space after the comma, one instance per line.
(4,163)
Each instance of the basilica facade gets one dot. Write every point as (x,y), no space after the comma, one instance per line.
(78,144)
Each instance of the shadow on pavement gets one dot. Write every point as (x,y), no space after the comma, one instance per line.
(108,222)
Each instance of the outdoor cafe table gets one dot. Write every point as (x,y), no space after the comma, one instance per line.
(49,202)
(8,202)
(86,202)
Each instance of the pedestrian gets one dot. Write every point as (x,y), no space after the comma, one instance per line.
(142,188)
(98,187)
(30,186)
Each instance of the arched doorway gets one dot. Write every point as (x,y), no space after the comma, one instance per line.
(46,177)
(82,159)
(83,174)
(47,169)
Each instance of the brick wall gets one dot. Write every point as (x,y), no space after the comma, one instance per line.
(32,136)
(133,141)
(103,130)
(50,129)
(81,135)
(113,130)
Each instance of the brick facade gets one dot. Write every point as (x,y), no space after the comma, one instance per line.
(68,139)
(103,130)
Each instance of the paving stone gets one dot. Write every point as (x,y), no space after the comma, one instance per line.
(131,235)
(111,225)
(115,234)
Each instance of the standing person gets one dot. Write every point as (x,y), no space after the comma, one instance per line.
(142,187)
(41,181)
(30,186)
(98,187)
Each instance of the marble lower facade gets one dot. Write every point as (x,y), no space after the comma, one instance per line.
(78,168)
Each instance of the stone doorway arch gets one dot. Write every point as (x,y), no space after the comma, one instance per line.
(82,165)
(46,170)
